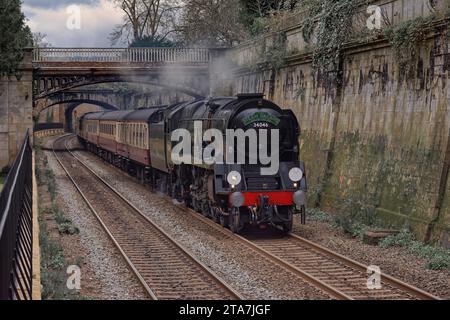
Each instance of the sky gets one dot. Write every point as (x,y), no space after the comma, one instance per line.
(64,27)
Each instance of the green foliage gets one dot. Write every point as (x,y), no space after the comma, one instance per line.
(318,215)
(2,181)
(272,55)
(15,36)
(275,54)
(253,12)
(300,94)
(65,225)
(51,183)
(330,21)
(438,258)
(405,37)
(349,224)
(68,228)
(152,42)
(53,263)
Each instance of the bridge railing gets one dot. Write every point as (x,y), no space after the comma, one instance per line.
(121,55)
(16,228)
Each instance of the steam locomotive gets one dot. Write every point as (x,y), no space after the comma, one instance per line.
(233,159)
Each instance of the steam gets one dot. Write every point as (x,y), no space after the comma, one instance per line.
(186,81)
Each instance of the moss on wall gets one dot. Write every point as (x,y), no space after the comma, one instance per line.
(390,125)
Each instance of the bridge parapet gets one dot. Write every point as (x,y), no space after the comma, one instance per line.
(122,55)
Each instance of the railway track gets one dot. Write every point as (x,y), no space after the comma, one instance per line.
(342,278)
(338,276)
(337,271)
(166,270)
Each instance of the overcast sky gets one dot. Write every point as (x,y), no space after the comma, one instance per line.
(98,19)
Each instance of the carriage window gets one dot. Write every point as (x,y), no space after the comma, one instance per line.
(146,137)
(140,135)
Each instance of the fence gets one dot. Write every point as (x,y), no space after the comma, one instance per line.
(48,126)
(16,228)
(121,55)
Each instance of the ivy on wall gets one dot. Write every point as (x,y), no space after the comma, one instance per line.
(406,36)
(329,27)
(330,22)
(276,53)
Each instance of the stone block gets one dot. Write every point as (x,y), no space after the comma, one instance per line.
(375,236)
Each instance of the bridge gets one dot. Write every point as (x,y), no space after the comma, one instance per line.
(58,70)
(109,99)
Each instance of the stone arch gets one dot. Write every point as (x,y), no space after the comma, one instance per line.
(43,105)
(75,104)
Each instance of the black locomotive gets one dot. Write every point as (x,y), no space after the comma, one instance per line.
(235,160)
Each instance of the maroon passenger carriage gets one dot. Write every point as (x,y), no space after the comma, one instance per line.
(120,138)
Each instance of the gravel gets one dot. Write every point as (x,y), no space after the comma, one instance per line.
(108,276)
(253,276)
(394,261)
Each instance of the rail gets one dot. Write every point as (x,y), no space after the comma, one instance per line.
(16,228)
(121,55)
(200,284)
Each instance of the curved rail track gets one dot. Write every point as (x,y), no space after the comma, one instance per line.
(338,276)
(165,269)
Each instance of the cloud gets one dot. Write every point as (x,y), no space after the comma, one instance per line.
(54,4)
(97,22)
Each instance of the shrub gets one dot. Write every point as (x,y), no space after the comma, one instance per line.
(438,258)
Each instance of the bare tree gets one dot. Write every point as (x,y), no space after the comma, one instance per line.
(261,8)
(40,40)
(146,19)
(212,22)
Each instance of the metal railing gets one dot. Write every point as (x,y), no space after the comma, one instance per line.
(121,55)
(16,228)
